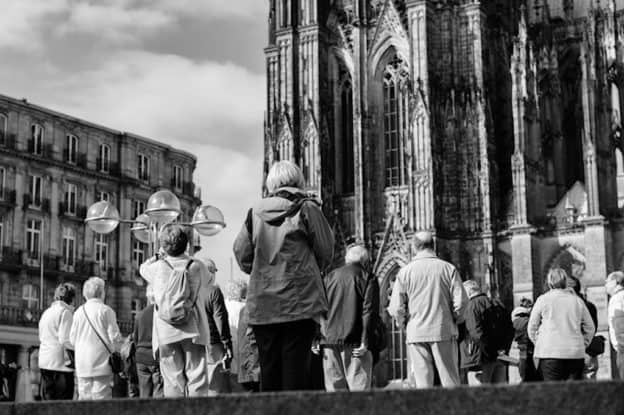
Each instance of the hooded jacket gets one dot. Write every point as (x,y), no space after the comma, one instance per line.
(284,244)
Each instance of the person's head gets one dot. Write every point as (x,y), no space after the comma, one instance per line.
(614,282)
(574,283)
(173,240)
(357,254)
(557,278)
(423,241)
(236,290)
(526,302)
(284,174)
(94,287)
(472,288)
(65,292)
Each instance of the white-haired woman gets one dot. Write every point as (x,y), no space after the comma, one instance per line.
(561,328)
(284,244)
(94,324)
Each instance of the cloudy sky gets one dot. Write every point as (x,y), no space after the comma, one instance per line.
(185,72)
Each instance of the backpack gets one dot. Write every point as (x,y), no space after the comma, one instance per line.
(498,327)
(175,303)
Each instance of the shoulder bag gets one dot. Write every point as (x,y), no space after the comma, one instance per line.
(114,360)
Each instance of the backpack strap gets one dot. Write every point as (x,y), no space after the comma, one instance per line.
(186,269)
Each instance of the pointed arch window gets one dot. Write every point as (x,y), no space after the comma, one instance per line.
(395,107)
(346,119)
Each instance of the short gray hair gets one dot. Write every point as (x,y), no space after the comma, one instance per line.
(472,287)
(423,240)
(557,278)
(357,255)
(282,174)
(94,288)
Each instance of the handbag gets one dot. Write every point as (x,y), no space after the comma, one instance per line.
(596,347)
(114,359)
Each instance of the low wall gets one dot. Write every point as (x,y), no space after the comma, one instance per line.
(597,398)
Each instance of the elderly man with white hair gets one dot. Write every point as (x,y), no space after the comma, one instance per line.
(353,297)
(94,335)
(436,302)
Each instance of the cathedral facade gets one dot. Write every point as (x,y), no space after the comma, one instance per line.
(495,124)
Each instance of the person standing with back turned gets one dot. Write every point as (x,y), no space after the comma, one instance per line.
(284,244)
(436,303)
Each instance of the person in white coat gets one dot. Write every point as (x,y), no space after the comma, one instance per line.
(56,351)
(94,374)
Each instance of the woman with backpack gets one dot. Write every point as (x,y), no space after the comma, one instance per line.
(561,328)
(181,325)
(284,245)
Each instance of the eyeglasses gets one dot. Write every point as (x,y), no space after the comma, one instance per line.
(213,270)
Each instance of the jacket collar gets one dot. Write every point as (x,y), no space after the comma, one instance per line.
(426,253)
(63,305)
(95,300)
(475,295)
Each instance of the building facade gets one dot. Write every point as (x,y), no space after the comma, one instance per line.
(495,124)
(52,168)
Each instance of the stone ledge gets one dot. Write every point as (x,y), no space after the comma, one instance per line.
(603,398)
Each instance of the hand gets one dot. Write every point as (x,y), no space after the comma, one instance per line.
(360,351)
(316,347)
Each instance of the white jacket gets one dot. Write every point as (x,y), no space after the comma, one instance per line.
(54,326)
(615,313)
(91,354)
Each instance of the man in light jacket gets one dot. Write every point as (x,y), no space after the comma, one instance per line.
(615,312)
(436,302)
(56,351)
(94,335)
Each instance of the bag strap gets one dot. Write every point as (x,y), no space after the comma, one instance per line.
(84,310)
(186,269)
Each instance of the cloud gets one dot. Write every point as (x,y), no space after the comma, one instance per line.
(24,23)
(114,22)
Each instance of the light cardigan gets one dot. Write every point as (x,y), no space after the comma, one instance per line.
(91,354)
(560,325)
(436,298)
(615,313)
(54,327)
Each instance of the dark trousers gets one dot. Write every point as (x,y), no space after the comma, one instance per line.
(56,385)
(285,355)
(620,364)
(150,380)
(528,372)
(561,369)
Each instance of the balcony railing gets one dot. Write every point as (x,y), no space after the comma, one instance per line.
(9,141)
(8,196)
(44,204)
(19,316)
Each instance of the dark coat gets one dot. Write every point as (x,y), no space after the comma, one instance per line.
(481,344)
(248,360)
(351,293)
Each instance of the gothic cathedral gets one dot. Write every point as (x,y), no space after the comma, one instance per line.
(493,123)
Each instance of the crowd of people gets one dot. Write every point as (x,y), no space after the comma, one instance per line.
(296,314)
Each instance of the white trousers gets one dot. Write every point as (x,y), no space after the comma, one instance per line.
(425,358)
(95,388)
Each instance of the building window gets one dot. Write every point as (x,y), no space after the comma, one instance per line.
(143,167)
(2,182)
(33,238)
(101,251)
(177,177)
(70,199)
(34,189)
(138,253)
(104,196)
(69,247)
(138,207)
(395,107)
(37,139)
(3,128)
(348,167)
(30,296)
(104,161)
(72,149)
(1,234)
